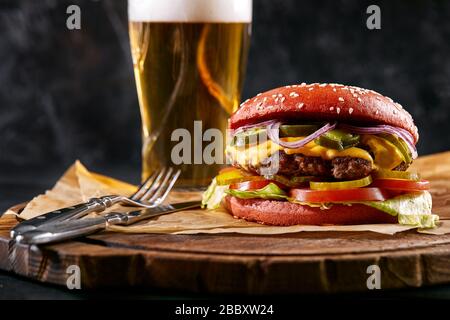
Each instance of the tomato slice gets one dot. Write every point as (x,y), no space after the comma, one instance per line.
(358,194)
(404,185)
(254,185)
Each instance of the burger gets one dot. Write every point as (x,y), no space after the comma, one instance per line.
(322,154)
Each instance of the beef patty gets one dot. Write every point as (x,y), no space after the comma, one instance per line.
(346,168)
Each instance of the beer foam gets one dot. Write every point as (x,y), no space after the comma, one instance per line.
(190,10)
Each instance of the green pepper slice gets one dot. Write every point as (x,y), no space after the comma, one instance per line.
(338,140)
(297,130)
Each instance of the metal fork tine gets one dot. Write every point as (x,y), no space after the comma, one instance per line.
(165,189)
(155,199)
(154,187)
(149,197)
(144,186)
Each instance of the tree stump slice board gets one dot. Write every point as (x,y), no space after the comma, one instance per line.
(305,262)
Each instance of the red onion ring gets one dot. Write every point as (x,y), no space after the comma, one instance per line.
(273,131)
(402,133)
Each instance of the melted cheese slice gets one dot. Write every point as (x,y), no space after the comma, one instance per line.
(386,155)
(256,154)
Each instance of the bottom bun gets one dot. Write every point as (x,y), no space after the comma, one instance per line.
(283,213)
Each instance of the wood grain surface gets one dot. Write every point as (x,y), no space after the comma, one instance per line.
(237,263)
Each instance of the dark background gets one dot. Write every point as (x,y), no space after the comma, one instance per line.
(71,94)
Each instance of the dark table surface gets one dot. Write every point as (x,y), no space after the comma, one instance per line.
(17,187)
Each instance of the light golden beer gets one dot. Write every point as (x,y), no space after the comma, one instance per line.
(187,71)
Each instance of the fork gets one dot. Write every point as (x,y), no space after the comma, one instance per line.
(151,193)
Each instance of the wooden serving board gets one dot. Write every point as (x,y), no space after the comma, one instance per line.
(237,263)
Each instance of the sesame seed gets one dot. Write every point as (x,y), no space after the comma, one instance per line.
(338,110)
(280,95)
(322,85)
(274,96)
(350,111)
(276,99)
(300,105)
(311,88)
(288,86)
(355,95)
(259,94)
(303,84)
(341,99)
(334,89)
(293,94)
(282,99)
(265,99)
(359,99)
(395,111)
(246,100)
(331,108)
(376,112)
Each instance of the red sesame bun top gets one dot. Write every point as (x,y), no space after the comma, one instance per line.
(324,102)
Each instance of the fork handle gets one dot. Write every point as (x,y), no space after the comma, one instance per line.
(74,212)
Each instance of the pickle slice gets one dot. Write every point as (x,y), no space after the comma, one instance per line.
(340,185)
(400,175)
(291,182)
(234,175)
(254,136)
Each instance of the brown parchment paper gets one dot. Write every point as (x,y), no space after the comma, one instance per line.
(78,185)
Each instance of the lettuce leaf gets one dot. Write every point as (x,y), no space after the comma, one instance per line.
(412,209)
(271,191)
(214,195)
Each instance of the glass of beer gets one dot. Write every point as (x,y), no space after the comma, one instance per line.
(189,59)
